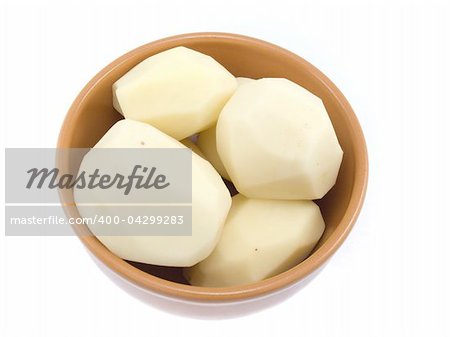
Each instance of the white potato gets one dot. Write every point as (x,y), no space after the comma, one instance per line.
(210,203)
(207,143)
(243,80)
(191,145)
(179,91)
(261,238)
(276,141)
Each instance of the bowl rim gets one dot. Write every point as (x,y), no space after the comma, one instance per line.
(257,289)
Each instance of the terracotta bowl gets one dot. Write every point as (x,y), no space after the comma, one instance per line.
(92,114)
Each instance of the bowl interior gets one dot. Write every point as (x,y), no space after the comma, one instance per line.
(92,114)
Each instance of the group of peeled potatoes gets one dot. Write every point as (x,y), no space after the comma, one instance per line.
(270,137)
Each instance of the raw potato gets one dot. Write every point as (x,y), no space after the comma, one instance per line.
(243,80)
(179,91)
(210,204)
(191,145)
(276,141)
(261,238)
(207,142)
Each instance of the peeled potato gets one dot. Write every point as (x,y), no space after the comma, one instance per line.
(207,144)
(210,203)
(243,80)
(179,91)
(191,145)
(276,141)
(261,238)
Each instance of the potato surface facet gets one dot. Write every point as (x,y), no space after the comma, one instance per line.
(210,203)
(276,141)
(179,91)
(261,238)
(207,142)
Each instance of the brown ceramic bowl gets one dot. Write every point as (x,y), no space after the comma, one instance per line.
(92,114)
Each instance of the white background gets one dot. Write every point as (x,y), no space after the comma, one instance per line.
(390,59)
